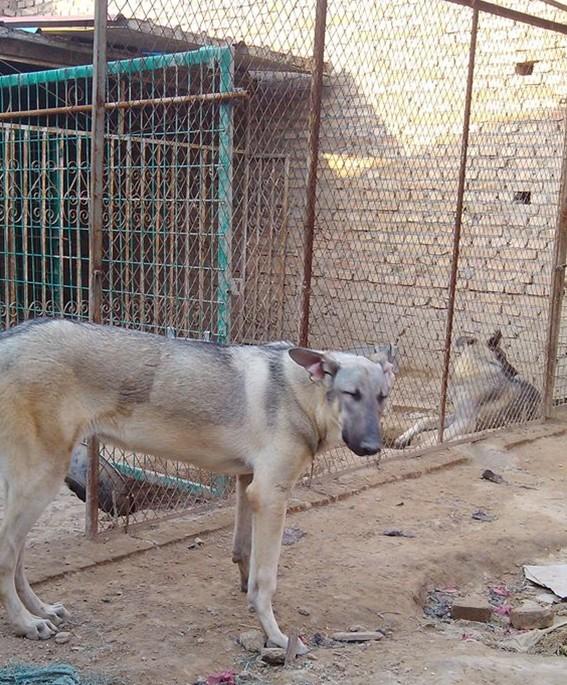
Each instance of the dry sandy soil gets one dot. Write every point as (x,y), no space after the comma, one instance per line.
(173,613)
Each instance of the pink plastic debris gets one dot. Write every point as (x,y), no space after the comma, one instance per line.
(224,678)
(501,591)
(503,610)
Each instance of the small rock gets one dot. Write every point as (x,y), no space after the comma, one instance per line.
(395,533)
(363,636)
(62,638)
(292,535)
(472,609)
(275,656)
(489,475)
(531,616)
(320,640)
(106,600)
(303,611)
(197,542)
(484,516)
(357,629)
(252,640)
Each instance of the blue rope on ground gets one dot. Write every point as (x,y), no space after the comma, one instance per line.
(55,674)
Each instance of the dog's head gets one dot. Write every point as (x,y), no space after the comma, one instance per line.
(356,390)
(473,352)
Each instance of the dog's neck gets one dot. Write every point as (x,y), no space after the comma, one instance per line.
(312,398)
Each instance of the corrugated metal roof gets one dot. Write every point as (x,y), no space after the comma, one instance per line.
(136,37)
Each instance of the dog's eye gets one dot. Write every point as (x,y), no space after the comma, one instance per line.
(355,394)
(380,397)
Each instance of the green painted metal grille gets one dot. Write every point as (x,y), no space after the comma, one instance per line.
(167,193)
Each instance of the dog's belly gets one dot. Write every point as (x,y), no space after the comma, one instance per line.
(214,450)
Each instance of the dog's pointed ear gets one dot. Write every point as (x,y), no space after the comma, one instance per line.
(316,364)
(494,340)
(386,354)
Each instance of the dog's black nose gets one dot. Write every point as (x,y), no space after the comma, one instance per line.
(369,447)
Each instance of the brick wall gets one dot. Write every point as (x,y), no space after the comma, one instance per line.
(390,146)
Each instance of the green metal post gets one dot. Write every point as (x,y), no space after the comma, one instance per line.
(226,64)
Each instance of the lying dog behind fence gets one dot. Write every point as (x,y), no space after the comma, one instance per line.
(261,413)
(485,391)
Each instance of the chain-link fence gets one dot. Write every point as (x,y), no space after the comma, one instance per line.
(335,174)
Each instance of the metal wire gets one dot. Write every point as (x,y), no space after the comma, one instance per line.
(295,171)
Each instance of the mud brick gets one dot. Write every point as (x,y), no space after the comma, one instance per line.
(472,609)
(531,616)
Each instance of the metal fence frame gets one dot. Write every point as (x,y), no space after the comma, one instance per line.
(100,106)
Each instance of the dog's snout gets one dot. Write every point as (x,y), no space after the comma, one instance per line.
(365,447)
(370,447)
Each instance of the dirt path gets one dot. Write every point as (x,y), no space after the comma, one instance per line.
(171,614)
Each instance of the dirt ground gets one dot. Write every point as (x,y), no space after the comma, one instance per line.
(171,614)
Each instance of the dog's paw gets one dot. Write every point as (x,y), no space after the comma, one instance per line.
(302,649)
(37,629)
(56,613)
(401,442)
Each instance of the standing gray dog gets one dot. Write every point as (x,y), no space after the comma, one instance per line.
(261,413)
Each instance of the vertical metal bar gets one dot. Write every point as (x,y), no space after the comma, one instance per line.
(283,251)
(224,249)
(25,220)
(172,235)
(127,258)
(5,248)
(458,224)
(11,308)
(112,143)
(245,202)
(203,224)
(95,230)
(158,261)
(143,172)
(257,249)
(78,229)
(315,99)
(557,287)
(270,260)
(43,228)
(60,271)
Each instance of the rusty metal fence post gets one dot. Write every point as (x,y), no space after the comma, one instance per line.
(458,223)
(315,98)
(95,229)
(557,287)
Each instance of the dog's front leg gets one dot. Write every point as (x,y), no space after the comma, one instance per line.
(268,500)
(242,539)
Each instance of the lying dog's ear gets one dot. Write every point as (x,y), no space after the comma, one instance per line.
(494,340)
(316,364)
(386,354)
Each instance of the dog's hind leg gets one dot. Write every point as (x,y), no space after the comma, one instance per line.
(242,539)
(32,484)
(56,613)
(268,495)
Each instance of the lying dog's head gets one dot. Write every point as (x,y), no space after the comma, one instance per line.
(357,388)
(474,352)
